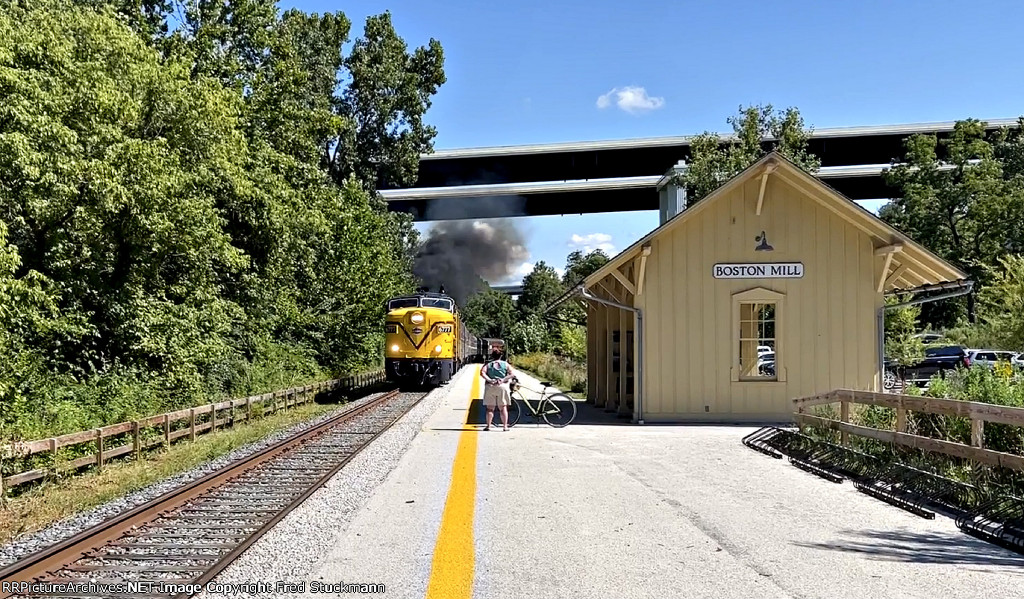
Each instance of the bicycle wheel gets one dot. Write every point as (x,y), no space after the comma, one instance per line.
(514,412)
(558,410)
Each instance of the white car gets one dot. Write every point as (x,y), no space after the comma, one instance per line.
(988,357)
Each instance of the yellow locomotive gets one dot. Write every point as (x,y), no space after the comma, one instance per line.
(425,340)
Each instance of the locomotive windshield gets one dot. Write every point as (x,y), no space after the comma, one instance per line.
(404,302)
(435,302)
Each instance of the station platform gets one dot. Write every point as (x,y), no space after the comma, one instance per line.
(604,508)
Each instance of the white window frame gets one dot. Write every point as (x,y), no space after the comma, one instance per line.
(759,295)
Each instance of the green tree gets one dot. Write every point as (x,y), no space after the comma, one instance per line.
(171,210)
(384,103)
(1002,303)
(900,327)
(528,335)
(572,341)
(579,266)
(959,200)
(108,189)
(490,313)
(541,287)
(757,130)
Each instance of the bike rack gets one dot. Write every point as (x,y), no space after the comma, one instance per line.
(762,440)
(913,490)
(821,458)
(999,521)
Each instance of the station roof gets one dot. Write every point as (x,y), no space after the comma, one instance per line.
(912,266)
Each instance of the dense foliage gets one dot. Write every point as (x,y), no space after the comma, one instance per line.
(962,198)
(757,131)
(188,211)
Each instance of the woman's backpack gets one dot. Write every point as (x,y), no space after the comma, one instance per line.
(497,369)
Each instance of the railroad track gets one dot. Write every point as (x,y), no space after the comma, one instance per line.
(175,544)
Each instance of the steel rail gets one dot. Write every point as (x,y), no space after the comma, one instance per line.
(56,557)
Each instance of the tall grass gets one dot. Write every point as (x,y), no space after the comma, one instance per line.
(977,384)
(564,373)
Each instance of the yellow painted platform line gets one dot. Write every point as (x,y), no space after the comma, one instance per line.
(451,575)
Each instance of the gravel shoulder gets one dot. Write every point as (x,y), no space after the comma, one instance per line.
(294,549)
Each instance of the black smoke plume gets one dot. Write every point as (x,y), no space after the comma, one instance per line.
(461,254)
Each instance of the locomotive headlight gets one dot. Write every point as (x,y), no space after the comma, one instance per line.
(437,348)
(416,318)
(394,347)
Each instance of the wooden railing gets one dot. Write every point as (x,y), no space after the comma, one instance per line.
(978,414)
(163,429)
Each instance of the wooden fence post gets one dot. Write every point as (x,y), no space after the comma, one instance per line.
(192,424)
(53,456)
(3,488)
(977,432)
(901,418)
(167,431)
(137,449)
(844,416)
(248,409)
(99,449)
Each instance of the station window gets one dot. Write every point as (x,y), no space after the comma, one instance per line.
(757,337)
(755,331)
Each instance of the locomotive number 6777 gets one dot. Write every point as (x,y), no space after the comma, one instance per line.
(426,342)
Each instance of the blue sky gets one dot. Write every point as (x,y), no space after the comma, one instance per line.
(533,72)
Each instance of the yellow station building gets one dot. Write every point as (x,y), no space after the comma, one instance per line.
(770,288)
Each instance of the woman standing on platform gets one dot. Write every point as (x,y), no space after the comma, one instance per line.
(497,375)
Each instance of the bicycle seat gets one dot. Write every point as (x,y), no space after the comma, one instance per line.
(546,384)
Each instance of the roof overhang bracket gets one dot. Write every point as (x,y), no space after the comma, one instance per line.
(768,169)
(642,268)
(895,276)
(888,251)
(621,278)
(610,293)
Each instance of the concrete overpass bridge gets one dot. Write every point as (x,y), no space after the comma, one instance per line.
(513,290)
(622,175)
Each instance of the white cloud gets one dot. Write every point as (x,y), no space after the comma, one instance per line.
(591,242)
(631,98)
(521,271)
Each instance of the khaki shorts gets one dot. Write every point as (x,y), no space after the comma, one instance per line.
(497,395)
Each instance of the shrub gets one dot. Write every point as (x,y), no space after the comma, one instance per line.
(564,373)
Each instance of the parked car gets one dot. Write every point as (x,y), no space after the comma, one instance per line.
(1018,360)
(928,338)
(766,363)
(988,357)
(937,360)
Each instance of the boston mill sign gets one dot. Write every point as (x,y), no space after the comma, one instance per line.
(778,270)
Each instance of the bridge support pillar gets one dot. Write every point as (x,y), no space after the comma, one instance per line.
(671,196)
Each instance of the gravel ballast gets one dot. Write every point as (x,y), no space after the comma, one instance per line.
(67,528)
(292,549)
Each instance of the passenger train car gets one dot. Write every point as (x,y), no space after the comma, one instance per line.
(426,341)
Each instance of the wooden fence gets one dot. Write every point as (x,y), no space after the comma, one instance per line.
(163,429)
(978,414)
